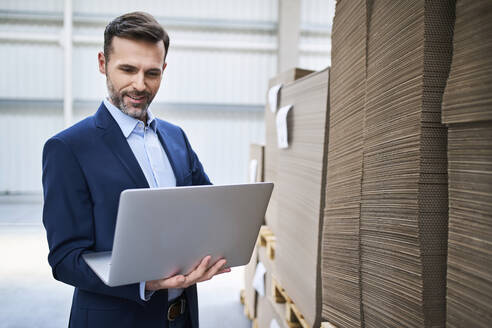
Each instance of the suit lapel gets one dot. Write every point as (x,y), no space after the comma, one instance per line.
(116,142)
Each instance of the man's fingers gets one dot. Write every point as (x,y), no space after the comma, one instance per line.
(216,268)
(213,270)
(172,282)
(199,271)
(224,271)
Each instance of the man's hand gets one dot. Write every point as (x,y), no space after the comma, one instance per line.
(198,275)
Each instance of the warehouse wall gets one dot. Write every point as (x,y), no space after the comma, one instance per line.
(315,41)
(222,54)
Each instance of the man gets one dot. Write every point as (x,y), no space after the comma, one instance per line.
(85,168)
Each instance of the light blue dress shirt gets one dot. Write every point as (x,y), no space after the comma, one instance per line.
(151,157)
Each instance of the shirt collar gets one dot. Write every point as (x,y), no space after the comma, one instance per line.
(127,123)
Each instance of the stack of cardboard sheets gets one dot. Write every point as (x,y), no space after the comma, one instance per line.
(385,224)
(271,148)
(300,192)
(467,110)
(340,243)
(403,226)
(469,275)
(468,95)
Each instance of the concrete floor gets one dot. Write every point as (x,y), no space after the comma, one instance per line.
(30,297)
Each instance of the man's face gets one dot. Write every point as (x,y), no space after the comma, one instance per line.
(133,74)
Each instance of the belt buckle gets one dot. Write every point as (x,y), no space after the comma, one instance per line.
(180,306)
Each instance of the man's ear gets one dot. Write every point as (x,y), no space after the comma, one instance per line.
(102,62)
(163,68)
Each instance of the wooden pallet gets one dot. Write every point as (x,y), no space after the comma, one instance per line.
(242,299)
(267,239)
(278,293)
(293,317)
(241,296)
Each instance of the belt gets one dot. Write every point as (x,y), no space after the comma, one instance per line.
(176,308)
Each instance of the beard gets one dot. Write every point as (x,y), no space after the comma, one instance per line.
(135,110)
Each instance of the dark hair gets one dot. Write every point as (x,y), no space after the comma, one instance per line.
(134,26)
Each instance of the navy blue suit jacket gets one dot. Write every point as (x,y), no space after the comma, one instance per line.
(85,168)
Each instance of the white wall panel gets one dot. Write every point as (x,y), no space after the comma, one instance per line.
(32,5)
(35,27)
(266,37)
(311,40)
(315,41)
(257,10)
(21,142)
(317,12)
(31,71)
(315,50)
(88,82)
(314,62)
(217,76)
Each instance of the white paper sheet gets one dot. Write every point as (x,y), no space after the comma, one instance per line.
(273,97)
(274,324)
(253,170)
(281,122)
(259,279)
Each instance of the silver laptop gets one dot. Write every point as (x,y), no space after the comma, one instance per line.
(166,231)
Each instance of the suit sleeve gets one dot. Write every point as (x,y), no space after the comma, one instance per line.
(69,222)
(199,177)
